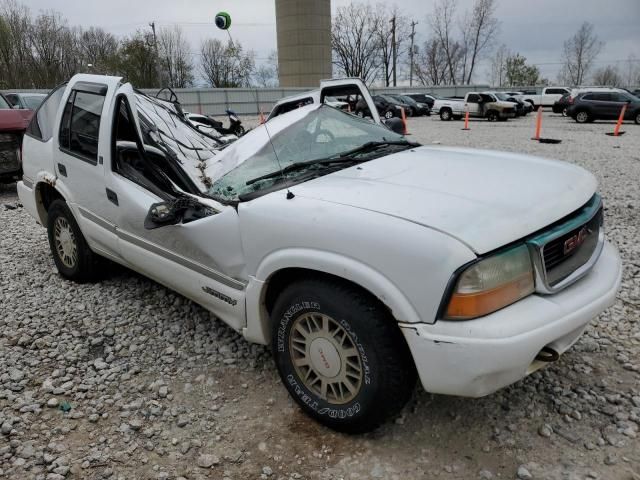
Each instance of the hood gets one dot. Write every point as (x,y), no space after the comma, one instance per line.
(485,199)
(14,119)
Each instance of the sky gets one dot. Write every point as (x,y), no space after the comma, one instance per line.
(533,28)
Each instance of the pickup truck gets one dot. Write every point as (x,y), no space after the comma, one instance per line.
(13,123)
(547,98)
(364,260)
(479,105)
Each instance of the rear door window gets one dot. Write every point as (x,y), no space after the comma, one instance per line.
(41,125)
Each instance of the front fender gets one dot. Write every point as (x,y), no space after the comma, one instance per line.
(375,282)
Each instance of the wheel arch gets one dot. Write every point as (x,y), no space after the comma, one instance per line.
(281,269)
(45,192)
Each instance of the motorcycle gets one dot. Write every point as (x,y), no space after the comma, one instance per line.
(235,124)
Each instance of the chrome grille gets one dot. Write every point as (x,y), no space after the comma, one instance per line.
(565,254)
(567,250)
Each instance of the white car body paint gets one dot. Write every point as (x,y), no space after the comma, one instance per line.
(399,226)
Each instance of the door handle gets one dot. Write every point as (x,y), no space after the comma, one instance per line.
(111,195)
(62,170)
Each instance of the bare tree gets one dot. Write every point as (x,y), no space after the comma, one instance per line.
(54,47)
(609,76)
(431,63)
(225,66)
(175,58)
(99,48)
(479,29)
(499,65)
(354,41)
(579,53)
(441,21)
(136,60)
(266,75)
(384,36)
(16,59)
(632,71)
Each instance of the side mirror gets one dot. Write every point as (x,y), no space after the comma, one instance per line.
(160,215)
(173,212)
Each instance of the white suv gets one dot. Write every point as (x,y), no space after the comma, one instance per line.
(360,257)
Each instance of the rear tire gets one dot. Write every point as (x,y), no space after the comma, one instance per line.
(637,118)
(340,354)
(71,253)
(445,115)
(492,116)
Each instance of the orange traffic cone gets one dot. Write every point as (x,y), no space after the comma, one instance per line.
(404,122)
(616,130)
(466,120)
(538,124)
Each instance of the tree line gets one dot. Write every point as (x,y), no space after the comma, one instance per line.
(43,50)
(456,42)
(374,42)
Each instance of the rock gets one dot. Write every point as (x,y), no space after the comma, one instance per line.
(15,375)
(485,475)
(377,471)
(208,461)
(545,431)
(135,424)
(267,471)
(53,402)
(523,473)
(182,421)
(610,459)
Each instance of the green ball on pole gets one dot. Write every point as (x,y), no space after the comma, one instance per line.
(223,21)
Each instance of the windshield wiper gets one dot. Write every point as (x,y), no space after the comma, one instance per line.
(338,158)
(370,146)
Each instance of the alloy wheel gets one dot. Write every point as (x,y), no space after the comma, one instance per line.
(582,117)
(326,358)
(65,242)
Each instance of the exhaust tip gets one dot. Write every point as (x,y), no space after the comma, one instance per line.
(548,355)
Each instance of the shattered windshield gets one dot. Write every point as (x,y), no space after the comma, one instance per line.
(322,133)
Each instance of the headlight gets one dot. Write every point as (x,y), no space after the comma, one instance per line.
(491,284)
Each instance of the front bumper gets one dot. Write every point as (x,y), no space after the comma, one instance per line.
(477,357)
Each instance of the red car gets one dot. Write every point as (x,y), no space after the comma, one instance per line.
(13,123)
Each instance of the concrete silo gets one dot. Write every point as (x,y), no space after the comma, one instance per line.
(304,42)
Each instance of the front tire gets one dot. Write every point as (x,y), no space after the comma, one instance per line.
(637,118)
(583,117)
(71,254)
(445,115)
(341,355)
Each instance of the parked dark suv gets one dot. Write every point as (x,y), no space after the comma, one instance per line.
(385,108)
(591,106)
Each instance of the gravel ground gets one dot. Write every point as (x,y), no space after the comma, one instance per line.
(126,379)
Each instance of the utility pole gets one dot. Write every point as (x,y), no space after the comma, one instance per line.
(394,49)
(413,34)
(157,59)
